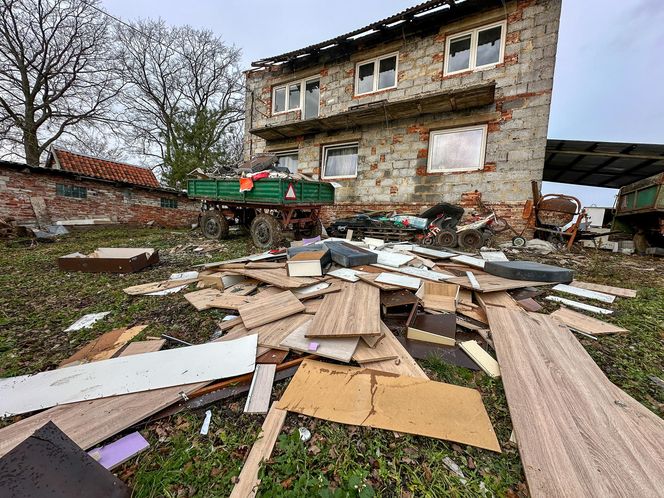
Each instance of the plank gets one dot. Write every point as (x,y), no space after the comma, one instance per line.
(371,280)
(124,375)
(529,304)
(272,334)
(369,398)
(262,265)
(578,434)
(353,312)
(225,325)
(340,349)
(275,356)
(401,281)
(423,273)
(268,309)
(581,306)
(242,288)
(118,452)
(384,349)
(260,392)
(607,289)
(277,277)
(440,296)
(316,290)
(312,306)
(481,357)
(392,259)
(142,289)
(492,283)
(586,324)
(248,481)
(347,274)
(140,347)
(403,364)
(434,253)
(103,347)
(493,256)
(214,298)
(499,298)
(588,294)
(469,261)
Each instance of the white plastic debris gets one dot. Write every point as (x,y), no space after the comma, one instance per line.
(305,434)
(86,321)
(206,423)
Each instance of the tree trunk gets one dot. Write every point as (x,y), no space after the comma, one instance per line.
(31,146)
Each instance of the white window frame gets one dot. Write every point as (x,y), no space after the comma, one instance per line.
(300,106)
(447,131)
(289,152)
(376,63)
(338,146)
(474,36)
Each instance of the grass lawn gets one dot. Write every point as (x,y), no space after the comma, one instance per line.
(37,302)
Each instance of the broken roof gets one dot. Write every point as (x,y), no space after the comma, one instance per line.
(101,168)
(379,30)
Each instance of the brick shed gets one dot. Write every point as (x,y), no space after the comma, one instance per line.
(445,101)
(77,187)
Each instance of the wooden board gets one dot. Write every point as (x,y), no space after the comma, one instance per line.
(392,259)
(607,289)
(272,334)
(103,347)
(225,325)
(492,283)
(340,349)
(138,290)
(434,276)
(277,277)
(529,304)
(260,392)
(248,481)
(274,356)
(353,312)
(432,253)
(578,434)
(346,274)
(481,358)
(242,288)
(469,261)
(318,290)
(312,306)
(403,364)
(371,280)
(440,296)
(213,298)
(140,347)
(130,374)
(588,294)
(383,350)
(402,281)
(499,298)
(586,324)
(578,305)
(264,310)
(263,265)
(369,398)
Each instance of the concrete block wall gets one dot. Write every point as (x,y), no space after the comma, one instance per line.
(393,156)
(121,204)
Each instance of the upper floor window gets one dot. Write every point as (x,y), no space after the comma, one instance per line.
(288,159)
(71,191)
(376,74)
(168,203)
(298,95)
(475,49)
(340,161)
(458,149)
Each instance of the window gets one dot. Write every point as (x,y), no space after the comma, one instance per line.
(460,149)
(376,74)
(169,203)
(288,159)
(475,49)
(340,161)
(71,191)
(300,95)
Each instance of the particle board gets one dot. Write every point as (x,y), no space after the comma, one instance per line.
(275,356)
(469,261)
(529,304)
(433,253)
(264,310)
(588,294)
(367,269)
(346,274)
(581,306)
(353,312)
(277,277)
(447,354)
(402,281)
(499,298)
(371,280)
(248,482)
(272,334)
(403,364)
(103,347)
(142,289)
(124,375)
(435,276)
(316,290)
(492,283)
(140,347)
(340,349)
(243,288)
(607,289)
(578,434)
(483,359)
(383,350)
(369,398)
(586,324)
(392,259)
(213,298)
(260,392)
(439,296)
(312,306)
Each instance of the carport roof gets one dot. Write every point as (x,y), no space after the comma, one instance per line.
(601,164)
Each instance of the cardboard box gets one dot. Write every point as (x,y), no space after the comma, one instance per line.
(110,260)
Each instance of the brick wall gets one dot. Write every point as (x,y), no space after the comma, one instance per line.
(393,156)
(121,204)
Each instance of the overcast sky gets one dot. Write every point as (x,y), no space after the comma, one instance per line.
(609,79)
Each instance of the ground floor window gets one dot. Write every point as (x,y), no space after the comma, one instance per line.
(169,203)
(288,159)
(71,191)
(458,149)
(340,161)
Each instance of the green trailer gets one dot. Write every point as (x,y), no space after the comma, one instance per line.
(274,209)
(640,210)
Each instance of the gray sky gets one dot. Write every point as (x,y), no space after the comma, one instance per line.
(609,79)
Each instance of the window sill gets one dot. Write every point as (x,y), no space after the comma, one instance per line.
(457,170)
(377,92)
(338,177)
(471,71)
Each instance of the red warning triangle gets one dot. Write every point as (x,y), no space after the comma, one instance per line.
(290,193)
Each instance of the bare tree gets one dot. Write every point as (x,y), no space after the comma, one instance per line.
(183,94)
(53,71)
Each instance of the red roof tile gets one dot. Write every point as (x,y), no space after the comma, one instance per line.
(107,170)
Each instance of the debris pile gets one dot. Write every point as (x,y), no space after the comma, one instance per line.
(347,320)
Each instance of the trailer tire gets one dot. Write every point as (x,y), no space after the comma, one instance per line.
(471,239)
(214,225)
(447,237)
(266,231)
(315,230)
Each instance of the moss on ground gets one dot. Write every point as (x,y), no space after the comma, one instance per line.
(37,302)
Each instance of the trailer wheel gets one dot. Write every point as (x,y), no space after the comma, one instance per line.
(315,230)
(266,231)
(471,239)
(214,225)
(447,237)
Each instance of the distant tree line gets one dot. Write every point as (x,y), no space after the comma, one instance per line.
(69,73)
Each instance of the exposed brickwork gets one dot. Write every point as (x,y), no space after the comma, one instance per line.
(131,205)
(393,155)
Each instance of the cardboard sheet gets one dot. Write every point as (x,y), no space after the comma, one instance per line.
(370,398)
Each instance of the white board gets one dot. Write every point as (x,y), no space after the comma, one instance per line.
(399,280)
(577,291)
(470,261)
(347,274)
(86,321)
(493,256)
(581,306)
(392,259)
(303,291)
(434,276)
(434,253)
(128,374)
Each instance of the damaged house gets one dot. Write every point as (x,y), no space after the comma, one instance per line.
(445,101)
